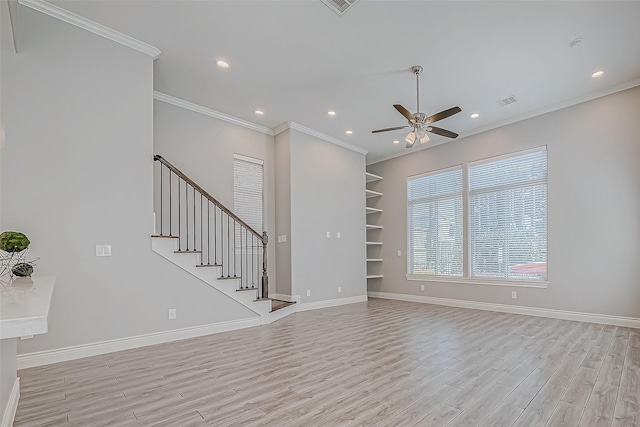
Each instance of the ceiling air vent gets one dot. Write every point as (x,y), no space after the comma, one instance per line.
(339,6)
(508,100)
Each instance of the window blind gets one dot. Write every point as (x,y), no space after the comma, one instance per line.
(508,217)
(435,223)
(247,192)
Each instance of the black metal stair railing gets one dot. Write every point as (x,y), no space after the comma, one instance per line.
(204,225)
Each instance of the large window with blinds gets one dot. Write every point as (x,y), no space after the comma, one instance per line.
(508,216)
(247,191)
(502,234)
(435,223)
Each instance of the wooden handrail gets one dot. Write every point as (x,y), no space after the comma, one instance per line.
(205,194)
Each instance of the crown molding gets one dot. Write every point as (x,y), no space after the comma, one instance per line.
(319,135)
(10,6)
(209,112)
(93,27)
(548,109)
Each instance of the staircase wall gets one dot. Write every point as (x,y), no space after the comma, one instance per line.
(76,172)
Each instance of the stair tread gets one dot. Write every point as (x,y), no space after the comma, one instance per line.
(208,265)
(229,278)
(165,237)
(279,304)
(246,289)
(187,252)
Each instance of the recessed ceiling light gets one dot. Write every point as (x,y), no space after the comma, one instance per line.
(396,142)
(475,115)
(222,64)
(331,113)
(597,74)
(348,132)
(259,112)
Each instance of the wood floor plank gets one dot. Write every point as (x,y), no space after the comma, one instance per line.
(541,407)
(504,416)
(476,413)
(581,386)
(600,408)
(626,414)
(566,415)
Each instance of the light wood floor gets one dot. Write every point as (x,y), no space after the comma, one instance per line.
(381,363)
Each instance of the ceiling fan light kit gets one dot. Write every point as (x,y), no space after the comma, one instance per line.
(418,121)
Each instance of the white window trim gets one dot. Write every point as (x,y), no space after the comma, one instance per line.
(477,281)
(465,278)
(248,159)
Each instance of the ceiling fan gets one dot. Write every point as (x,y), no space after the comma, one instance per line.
(420,122)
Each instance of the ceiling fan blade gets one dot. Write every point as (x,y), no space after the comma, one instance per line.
(410,144)
(388,129)
(441,131)
(406,113)
(443,114)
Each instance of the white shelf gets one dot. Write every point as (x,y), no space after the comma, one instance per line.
(373,243)
(373,227)
(373,210)
(372,177)
(374,259)
(375,276)
(371,193)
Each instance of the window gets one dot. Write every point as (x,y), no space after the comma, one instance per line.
(435,223)
(504,225)
(508,217)
(247,191)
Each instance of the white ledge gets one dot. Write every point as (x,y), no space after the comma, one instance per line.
(91,26)
(24,309)
(477,281)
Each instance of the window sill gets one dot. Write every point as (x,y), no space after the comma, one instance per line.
(477,281)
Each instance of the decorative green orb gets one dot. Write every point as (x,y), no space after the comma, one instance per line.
(23,270)
(13,241)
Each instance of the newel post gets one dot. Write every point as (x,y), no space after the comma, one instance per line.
(265,278)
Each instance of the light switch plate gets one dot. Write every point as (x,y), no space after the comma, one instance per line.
(103,250)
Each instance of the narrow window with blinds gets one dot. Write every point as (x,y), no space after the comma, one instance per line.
(435,223)
(508,217)
(247,192)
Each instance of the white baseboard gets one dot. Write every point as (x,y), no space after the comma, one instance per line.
(47,357)
(12,405)
(331,303)
(630,322)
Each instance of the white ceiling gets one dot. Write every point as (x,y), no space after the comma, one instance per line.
(298,59)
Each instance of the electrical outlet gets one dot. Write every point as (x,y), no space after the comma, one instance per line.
(514,294)
(172,313)
(339,289)
(284,238)
(399,253)
(422,287)
(338,235)
(308,292)
(328,234)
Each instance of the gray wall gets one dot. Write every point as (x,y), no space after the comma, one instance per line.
(327,194)
(594,206)
(283,208)
(203,147)
(76,172)
(8,351)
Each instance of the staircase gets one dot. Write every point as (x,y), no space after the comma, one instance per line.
(207,240)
